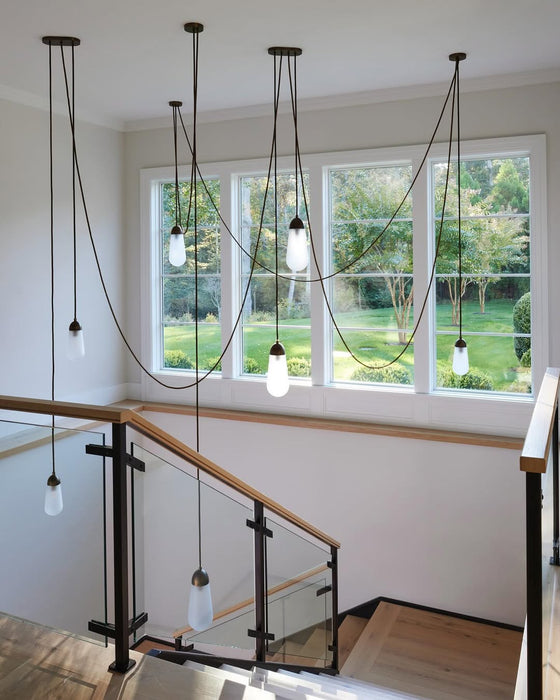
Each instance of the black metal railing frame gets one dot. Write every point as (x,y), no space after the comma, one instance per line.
(534,563)
(123,540)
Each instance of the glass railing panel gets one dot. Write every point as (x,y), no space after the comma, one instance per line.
(166,551)
(300,622)
(299,600)
(53,567)
(227,638)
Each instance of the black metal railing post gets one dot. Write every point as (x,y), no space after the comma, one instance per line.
(334,599)
(260,633)
(533,509)
(122,662)
(260,583)
(555,559)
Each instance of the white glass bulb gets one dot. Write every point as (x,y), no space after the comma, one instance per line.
(75,347)
(277,383)
(177,253)
(201,612)
(53,499)
(297,253)
(460,358)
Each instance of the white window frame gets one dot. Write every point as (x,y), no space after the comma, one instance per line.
(420,405)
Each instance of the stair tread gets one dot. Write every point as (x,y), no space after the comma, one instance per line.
(434,655)
(348,634)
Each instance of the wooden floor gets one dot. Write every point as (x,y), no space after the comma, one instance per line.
(435,656)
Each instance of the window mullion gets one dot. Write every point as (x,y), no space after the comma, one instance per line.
(321,335)
(230,266)
(422,247)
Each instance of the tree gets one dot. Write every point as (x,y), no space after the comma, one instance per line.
(490,244)
(363,199)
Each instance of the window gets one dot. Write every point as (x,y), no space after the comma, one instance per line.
(378,296)
(496,274)
(373,297)
(178,283)
(259,311)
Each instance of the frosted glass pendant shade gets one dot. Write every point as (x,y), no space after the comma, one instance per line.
(200,613)
(75,348)
(53,496)
(277,383)
(297,253)
(177,254)
(460,358)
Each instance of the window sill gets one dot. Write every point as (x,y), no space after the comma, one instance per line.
(490,414)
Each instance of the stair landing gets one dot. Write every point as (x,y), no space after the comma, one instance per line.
(435,656)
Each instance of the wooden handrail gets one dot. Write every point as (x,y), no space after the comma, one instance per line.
(171,443)
(105,414)
(249,601)
(534,456)
(340,425)
(145,427)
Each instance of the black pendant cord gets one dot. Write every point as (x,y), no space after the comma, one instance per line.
(110,306)
(293,92)
(193,188)
(51,187)
(73,184)
(433,268)
(277,81)
(323,278)
(457,60)
(177,197)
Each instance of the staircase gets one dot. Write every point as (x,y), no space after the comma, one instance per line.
(400,651)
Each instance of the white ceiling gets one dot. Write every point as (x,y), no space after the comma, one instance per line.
(135,56)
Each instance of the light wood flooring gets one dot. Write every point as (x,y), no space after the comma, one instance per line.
(429,655)
(402,651)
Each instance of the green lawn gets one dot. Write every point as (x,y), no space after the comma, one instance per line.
(493,355)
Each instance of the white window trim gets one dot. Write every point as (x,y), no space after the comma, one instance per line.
(422,406)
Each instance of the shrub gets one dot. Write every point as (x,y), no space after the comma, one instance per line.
(299,367)
(526,357)
(261,317)
(183,318)
(251,366)
(473,379)
(177,359)
(394,374)
(522,324)
(210,318)
(210,362)
(292,309)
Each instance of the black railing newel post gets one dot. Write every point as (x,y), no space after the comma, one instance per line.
(555,559)
(122,662)
(533,508)
(260,583)
(334,577)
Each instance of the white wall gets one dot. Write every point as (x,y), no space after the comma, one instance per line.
(52,567)
(506,112)
(25,261)
(431,523)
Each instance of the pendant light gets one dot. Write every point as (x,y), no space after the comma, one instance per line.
(277,383)
(200,610)
(297,252)
(460,351)
(75,345)
(177,253)
(53,496)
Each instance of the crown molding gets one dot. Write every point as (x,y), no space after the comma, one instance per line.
(409,92)
(37,102)
(355,99)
